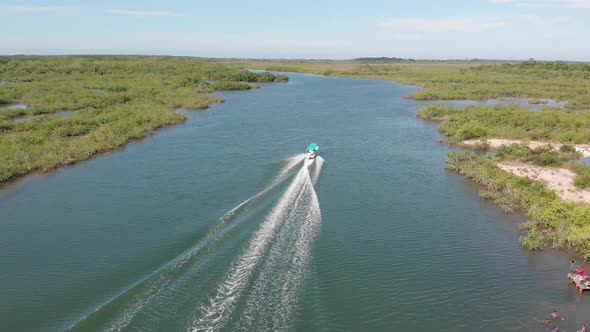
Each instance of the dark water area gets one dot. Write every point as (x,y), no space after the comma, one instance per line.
(60,114)
(500,101)
(220,224)
(11,106)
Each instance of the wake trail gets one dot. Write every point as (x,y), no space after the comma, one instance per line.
(154,282)
(319,163)
(273,301)
(298,208)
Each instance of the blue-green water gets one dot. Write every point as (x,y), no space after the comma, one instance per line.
(163,235)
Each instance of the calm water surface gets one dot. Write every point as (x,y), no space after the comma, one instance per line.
(11,106)
(219,224)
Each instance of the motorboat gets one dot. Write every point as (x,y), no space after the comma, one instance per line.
(312,151)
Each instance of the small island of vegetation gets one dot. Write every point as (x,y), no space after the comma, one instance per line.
(113,100)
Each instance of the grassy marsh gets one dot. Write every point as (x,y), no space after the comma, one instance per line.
(114,99)
(477,80)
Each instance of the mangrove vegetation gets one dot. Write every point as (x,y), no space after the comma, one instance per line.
(474,79)
(510,121)
(113,99)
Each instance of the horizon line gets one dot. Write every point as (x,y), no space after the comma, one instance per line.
(384,58)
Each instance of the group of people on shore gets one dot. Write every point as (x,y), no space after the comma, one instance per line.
(556,316)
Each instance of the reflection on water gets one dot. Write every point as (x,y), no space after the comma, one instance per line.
(60,114)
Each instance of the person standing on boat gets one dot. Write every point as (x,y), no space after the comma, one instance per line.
(581,272)
(573,267)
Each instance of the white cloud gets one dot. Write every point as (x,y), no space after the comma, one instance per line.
(543,20)
(11,9)
(413,28)
(155,13)
(406,36)
(444,24)
(501,1)
(579,4)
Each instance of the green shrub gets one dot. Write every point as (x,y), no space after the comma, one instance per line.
(548,159)
(482,146)
(583,170)
(509,121)
(568,149)
(470,131)
(227,85)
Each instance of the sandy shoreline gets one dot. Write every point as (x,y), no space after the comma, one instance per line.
(497,142)
(559,179)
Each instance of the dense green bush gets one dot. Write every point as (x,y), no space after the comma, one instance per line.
(481,146)
(470,130)
(509,121)
(228,85)
(542,156)
(583,171)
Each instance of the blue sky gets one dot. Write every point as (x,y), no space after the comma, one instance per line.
(456,29)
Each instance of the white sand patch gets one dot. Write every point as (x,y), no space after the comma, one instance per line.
(559,179)
(497,142)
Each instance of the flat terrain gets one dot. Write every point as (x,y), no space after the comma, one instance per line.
(69,108)
(559,179)
(478,80)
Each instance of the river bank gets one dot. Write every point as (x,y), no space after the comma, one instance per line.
(561,180)
(553,222)
(64,109)
(540,162)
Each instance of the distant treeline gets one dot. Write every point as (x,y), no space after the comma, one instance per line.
(543,70)
(383,59)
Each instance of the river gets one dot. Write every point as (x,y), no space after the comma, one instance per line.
(219,224)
